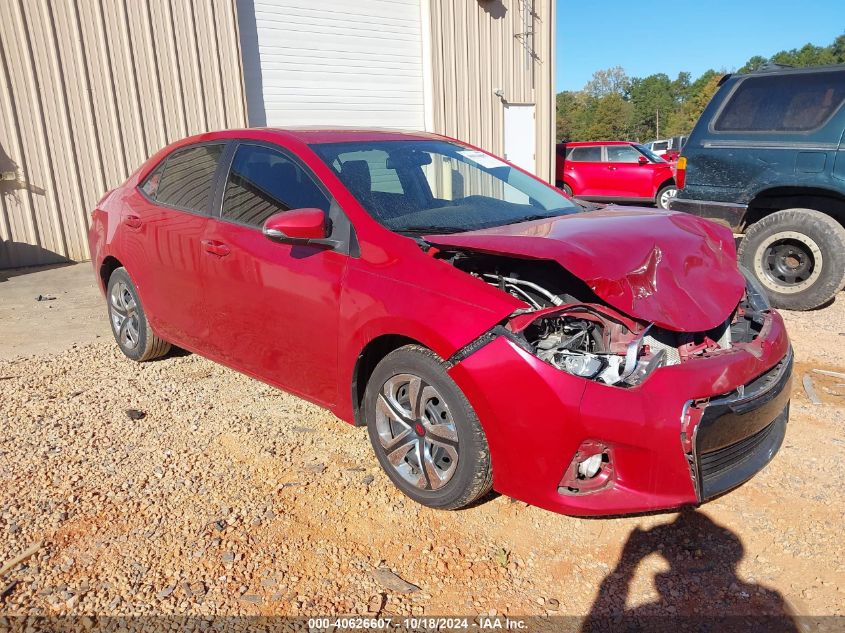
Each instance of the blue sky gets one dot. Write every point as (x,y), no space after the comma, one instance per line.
(646,36)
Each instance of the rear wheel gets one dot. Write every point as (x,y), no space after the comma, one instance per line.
(129,321)
(665,195)
(424,432)
(798,255)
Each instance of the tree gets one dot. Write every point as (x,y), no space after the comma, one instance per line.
(613,106)
(683,120)
(651,97)
(612,81)
(755,63)
(608,118)
(570,108)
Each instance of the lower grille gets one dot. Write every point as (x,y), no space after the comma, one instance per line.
(715,463)
(739,433)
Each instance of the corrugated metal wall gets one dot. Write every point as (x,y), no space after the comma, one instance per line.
(481,46)
(88,90)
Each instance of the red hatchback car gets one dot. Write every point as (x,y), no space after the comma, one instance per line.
(484,328)
(614,171)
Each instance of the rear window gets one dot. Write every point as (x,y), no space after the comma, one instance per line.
(186,181)
(587,154)
(783,103)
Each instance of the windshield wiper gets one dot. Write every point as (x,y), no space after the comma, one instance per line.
(431,229)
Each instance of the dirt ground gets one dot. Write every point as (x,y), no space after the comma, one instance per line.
(230,497)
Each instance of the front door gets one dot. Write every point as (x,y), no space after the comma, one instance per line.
(273,308)
(520,136)
(626,177)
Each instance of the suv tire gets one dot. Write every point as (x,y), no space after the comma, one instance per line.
(424,431)
(798,255)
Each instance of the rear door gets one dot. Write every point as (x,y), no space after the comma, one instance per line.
(273,308)
(585,170)
(163,228)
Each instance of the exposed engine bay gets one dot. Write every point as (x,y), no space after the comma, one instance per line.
(569,327)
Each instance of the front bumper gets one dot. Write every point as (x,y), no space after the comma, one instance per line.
(730,214)
(739,433)
(536,417)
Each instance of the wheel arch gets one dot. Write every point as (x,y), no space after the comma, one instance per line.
(668,181)
(109,264)
(370,356)
(773,199)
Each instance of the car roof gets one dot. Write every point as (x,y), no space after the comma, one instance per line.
(587,143)
(311,135)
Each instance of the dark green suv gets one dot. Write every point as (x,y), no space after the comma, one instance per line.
(767,158)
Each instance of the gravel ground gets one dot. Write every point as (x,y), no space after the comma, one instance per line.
(230,497)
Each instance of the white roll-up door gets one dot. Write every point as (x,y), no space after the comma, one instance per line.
(337,62)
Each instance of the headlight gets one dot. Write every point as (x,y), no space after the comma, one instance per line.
(757,297)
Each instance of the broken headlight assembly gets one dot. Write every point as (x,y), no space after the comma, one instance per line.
(754,292)
(591,342)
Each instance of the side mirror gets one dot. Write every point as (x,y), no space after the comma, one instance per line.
(642,160)
(299,226)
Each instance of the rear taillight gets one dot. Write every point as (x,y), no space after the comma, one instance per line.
(681,172)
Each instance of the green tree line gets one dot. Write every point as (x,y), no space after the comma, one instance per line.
(614,106)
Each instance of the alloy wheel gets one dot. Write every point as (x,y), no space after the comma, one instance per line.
(416,431)
(123,311)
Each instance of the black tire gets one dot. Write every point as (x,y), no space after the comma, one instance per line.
(661,200)
(567,189)
(798,255)
(130,326)
(472,475)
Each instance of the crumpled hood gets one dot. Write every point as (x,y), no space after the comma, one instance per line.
(672,269)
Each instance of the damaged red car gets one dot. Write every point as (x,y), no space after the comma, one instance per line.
(486,329)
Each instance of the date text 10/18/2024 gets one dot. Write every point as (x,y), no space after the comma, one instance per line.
(484,623)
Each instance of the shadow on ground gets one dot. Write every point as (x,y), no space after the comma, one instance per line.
(700,591)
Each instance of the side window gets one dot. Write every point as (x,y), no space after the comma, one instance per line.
(262,182)
(659,146)
(622,154)
(186,181)
(785,103)
(586,154)
(150,186)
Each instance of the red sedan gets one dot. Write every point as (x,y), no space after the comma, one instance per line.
(486,330)
(614,171)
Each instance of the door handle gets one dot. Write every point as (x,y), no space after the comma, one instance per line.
(215,248)
(132,221)
(612,168)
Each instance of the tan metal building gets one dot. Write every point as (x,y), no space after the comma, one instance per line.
(90,88)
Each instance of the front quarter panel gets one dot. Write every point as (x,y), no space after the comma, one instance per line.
(415,296)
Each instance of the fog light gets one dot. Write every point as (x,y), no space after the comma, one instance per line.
(589,468)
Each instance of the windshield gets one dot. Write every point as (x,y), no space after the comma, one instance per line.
(654,158)
(437,186)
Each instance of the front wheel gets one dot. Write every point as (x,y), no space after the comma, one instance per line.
(798,255)
(424,432)
(665,196)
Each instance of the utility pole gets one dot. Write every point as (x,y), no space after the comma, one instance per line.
(657,131)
